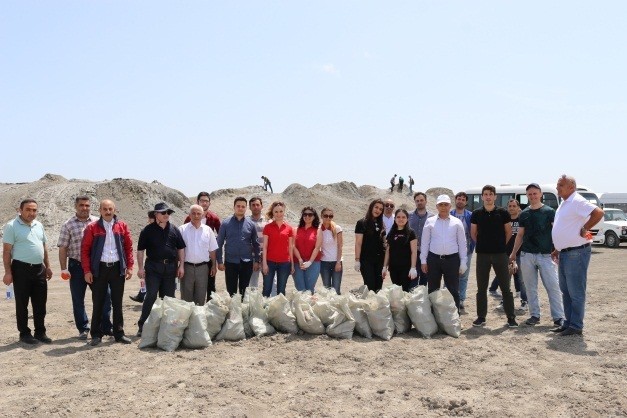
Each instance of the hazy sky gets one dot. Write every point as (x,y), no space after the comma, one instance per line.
(204,95)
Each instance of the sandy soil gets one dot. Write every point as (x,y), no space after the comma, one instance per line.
(486,372)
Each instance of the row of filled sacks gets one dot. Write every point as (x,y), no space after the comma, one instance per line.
(173,322)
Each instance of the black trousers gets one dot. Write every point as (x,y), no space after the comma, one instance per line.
(237,273)
(444,267)
(109,276)
(160,279)
(29,283)
(371,273)
(423,280)
(400,277)
(211,283)
(499,262)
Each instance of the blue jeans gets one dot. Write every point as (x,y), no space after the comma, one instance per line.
(330,277)
(463,280)
(282,271)
(306,279)
(573,278)
(530,265)
(78,287)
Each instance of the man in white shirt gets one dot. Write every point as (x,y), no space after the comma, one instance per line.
(200,248)
(574,217)
(388,215)
(444,249)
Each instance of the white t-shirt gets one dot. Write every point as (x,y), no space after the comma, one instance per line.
(570,216)
(329,245)
(388,222)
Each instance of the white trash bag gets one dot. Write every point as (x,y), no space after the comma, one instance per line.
(150,330)
(343,323)
(380,315)
(258,318)
(306,318)
(396,296)
(196,335)
(217,309)
(445,312)
(419,311)
(175,319)
(233,328)
(356,306)
(323,308)
(280,314)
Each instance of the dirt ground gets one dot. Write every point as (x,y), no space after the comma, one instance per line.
(486,372)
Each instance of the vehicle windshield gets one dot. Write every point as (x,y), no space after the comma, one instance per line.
(618,215)
(591,197)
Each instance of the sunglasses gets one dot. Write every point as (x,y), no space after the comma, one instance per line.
(307,214)
(327,216)
(389,205)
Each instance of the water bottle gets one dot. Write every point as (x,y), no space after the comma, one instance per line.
(10,291)
(178,284)
(142,286)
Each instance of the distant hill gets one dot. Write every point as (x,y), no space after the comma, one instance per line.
(135,198)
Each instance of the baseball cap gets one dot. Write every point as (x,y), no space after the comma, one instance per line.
(443,199)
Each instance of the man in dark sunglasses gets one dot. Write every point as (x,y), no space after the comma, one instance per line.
(388,215)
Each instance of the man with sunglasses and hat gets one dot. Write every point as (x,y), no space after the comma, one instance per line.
(165,256)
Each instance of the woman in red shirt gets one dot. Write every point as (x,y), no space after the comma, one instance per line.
(307,250)
(278,247)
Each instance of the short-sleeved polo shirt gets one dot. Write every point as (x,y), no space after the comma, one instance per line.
(27,240)
(278,247)
(490,229)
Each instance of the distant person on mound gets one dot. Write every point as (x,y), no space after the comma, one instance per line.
(212,221)
(401,180)
(266,184)
(142,286)
(69,244)
(401,253)
(369,246)
(411,185)
(392,183)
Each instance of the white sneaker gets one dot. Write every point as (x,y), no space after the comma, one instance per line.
(523,306)
(494,293)
(500,307)
(83,335)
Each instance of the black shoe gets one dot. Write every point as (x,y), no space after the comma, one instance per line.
(534,320)
(123,339)
(558,322)
(570,331)
(479,322)
(43,338)
(511,322)
(139,333)
(28,339)
(559,329)
(95,341)
(139,298)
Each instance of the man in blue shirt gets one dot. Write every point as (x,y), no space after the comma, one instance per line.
(238,236)
(463,214)
(26,265)
(416,222)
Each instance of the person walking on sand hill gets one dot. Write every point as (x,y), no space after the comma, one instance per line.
(266,184)
(392,183)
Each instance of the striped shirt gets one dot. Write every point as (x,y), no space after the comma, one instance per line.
(71,235)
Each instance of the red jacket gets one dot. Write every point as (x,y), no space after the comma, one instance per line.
(93,241)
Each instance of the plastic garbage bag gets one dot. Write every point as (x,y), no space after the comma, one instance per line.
(419,311)
(196,335)
(379,315)
(445,312)
(258,318)
(356,306)
(306,318)
(396,296)
(174,320)
(150,330)
(342,321)
(280,314)
(233,327)
(217,309)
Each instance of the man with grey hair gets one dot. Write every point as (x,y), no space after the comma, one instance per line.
(571,238)
(200,248)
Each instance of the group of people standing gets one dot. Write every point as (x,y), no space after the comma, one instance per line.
(414,248)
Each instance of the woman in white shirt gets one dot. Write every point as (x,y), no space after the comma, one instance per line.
(331,261)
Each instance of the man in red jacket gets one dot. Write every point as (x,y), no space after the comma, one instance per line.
(212,221)
(107,260)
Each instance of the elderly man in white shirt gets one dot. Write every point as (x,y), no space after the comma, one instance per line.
(388,215)
(200,248)
(443,249)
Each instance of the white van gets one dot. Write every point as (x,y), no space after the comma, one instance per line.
(505,192)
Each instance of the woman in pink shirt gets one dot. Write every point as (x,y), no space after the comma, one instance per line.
(307,250)
(278,245)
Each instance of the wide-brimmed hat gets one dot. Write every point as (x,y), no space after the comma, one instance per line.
(160,207)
